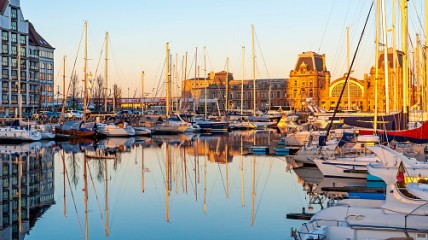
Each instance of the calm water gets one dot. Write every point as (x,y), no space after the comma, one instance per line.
(185,187)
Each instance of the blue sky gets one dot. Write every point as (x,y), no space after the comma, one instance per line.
(139,30)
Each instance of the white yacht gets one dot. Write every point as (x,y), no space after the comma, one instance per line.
(19,134)
(116,130)
(353,164)
(400,215)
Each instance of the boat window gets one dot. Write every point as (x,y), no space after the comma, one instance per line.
(401,186)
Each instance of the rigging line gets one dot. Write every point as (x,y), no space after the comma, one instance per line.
(191,67)
(72,196)
(264,188)
(326,25)
(209,60)
(99,59)
(261,53)
(95,192)
(347,75)
(118,72)
(335,58)
(121,188)
(418,17)
(222,180)
(75,62)
(213,187)
(160,78)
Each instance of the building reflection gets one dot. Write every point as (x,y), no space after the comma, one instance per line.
(27,187)
(222,148)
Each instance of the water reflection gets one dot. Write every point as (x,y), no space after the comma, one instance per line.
(27,186)
(186,187)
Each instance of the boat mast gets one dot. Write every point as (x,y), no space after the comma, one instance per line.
(167,179)
(242,81)
(226,106)
(205,84)
(394,55)
(242,174)
(349,65)
(19,84)
(376,67)
(385,57)
(64,92)
(106,193)
(425,91)
(167,81)
(405,67)
(194,82)
(106,74)
(85,59)
(205,178)
(85,197)
(253,192)
(142,92)
(254,70)
(184,79)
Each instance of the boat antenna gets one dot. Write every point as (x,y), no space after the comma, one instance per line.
(347,77)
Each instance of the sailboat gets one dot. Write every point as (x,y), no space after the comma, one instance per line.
(167,127)
(259,119)
(213,125)
(16,133)
(81,128)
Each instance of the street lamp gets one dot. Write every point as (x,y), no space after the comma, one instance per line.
(128,97)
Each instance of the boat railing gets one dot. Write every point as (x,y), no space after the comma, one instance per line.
(309,230)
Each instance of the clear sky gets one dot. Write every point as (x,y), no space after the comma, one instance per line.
(139,30)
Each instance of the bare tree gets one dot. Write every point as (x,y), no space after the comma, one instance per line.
(117,94)
(74,91)
(98,93)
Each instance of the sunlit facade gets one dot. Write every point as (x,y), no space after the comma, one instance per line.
(37,63)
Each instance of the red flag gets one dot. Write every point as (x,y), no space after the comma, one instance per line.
(400,173)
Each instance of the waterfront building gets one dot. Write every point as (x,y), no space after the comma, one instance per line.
(216,90)
(310,79)
(37,63)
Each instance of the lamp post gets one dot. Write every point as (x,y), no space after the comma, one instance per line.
(128,96)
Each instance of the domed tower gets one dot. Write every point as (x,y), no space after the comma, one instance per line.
(308,79)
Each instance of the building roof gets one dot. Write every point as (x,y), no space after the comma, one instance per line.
(35,37)
(3,4)
(311,61)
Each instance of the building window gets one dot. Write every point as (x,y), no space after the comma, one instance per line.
(295,94)
(14,25)
(14,99)
(5,61)
(5,36)
(14,50)
(14,13)
(50,66)
(23,52)
(14,74)
(5,49)
(5,74)
(14,63)
(295,83)
(5,99)
(42,65)
(42,76)
(5,86)
(14,38)
(23,39)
